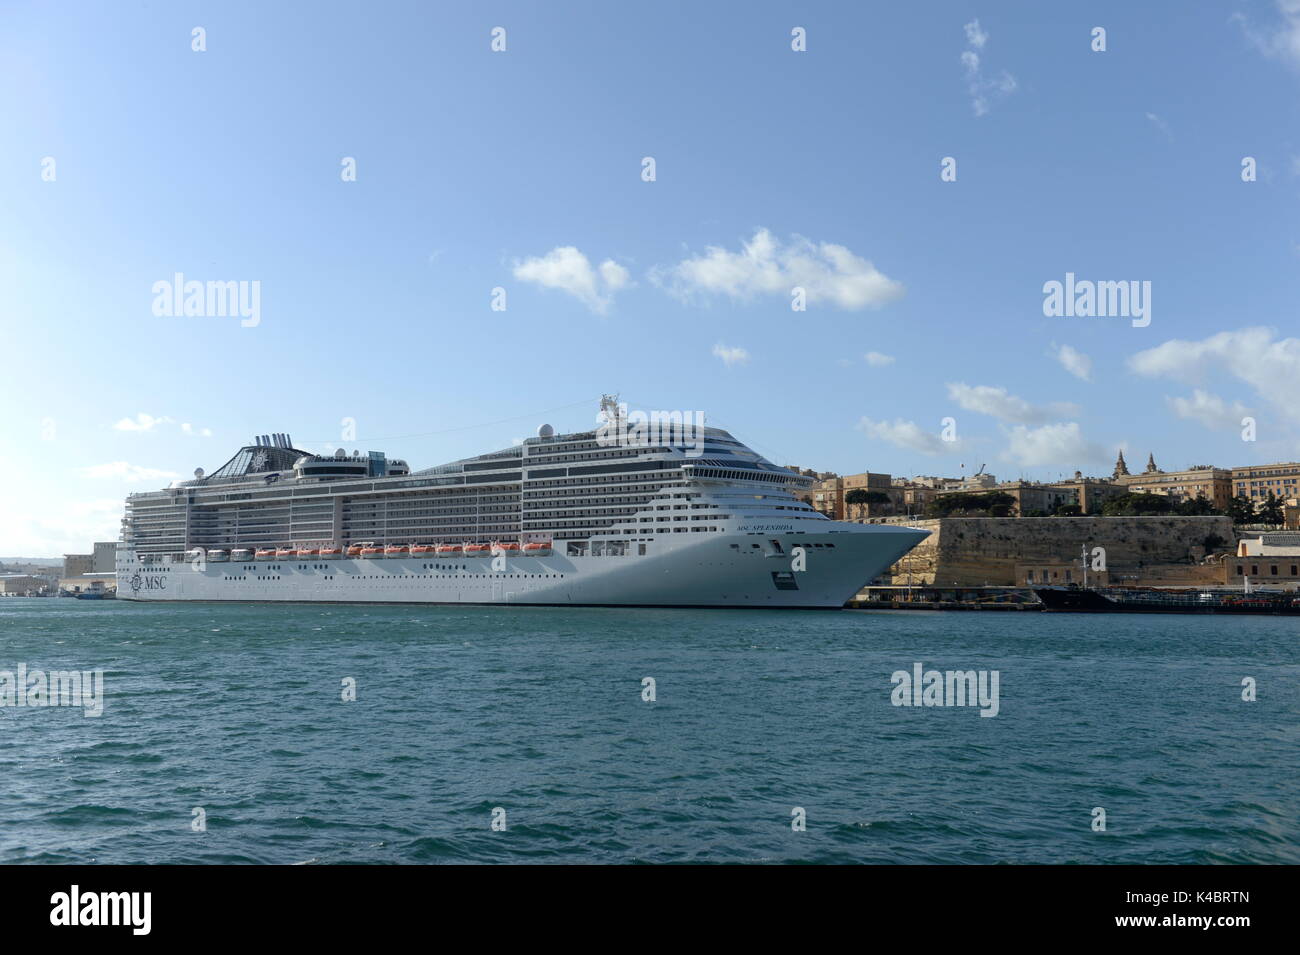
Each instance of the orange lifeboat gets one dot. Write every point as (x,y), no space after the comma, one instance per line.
(265,553)
(478,550)
(510,548)
(308,551)
(537,549)
(449,550)
(354,550)
(331,553)
(371,550)
(396,550)
(286,553)
(422,550)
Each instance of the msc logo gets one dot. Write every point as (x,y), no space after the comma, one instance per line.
(151,582)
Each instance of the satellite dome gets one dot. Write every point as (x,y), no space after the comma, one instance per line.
(546,431)
(198,474)
(340,453)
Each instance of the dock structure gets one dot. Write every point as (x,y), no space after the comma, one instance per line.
(945,598)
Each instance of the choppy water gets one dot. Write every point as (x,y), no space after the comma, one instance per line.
(237,709)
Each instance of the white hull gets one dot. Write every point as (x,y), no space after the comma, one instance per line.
(695,571)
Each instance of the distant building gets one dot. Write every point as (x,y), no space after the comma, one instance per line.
(20,584)
(912,497)
(1031,499)
(1213,484)
(1271,560)
(1121,468)
(74,565)
(869,481)
(1091,493)
(1255,481)
(88,583)
(1038,498)
(828,495)
(104,560)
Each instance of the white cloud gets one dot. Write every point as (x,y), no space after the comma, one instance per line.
(877,360)
(1074,361)
(1282,39)
(731,356)
(121,470)
(145,422)
(983,90)
(996,402)
(907,434)
(141,422)
(1251,355)
(1160,124)
(1059,445)
(1210,410)
(567,269)
(68,526)
(765,266)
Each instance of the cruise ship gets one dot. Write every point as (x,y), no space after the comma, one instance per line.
(673,515)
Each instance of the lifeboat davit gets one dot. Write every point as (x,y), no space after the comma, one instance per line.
(422,550)
(478,550)
(286,553)
(241,553)
(396,550)
(331,553)
(449,550)
(372,550)
(308,551)
(537,549)
(265,553)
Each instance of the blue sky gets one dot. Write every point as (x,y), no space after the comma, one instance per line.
(522,170)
